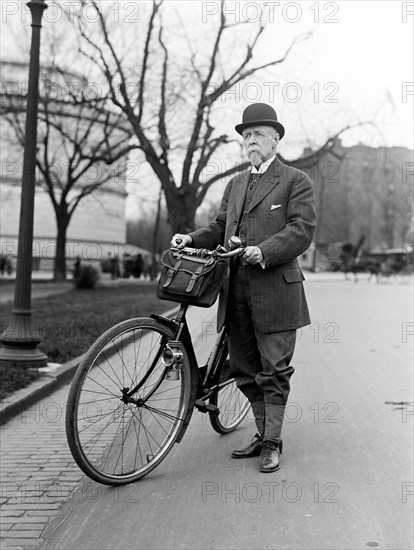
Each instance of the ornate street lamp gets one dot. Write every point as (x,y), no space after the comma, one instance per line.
(20,339)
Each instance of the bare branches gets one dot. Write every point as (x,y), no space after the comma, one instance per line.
(311,159)
(202,104)
(155,139)
(202,191)
(144,67)
(239,74)
(99,59)
(162,128)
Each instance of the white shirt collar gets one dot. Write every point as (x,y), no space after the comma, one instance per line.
(263,167)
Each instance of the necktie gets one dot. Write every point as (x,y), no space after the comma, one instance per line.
(254,180)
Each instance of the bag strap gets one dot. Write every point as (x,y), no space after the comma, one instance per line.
(194,278)
(171,272)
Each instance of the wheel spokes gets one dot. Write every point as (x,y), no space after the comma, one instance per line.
(120,438)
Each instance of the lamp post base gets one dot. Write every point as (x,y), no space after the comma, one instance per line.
(19,343)
(22,357)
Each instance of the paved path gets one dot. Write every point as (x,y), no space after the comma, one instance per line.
(37,471)
(346,480)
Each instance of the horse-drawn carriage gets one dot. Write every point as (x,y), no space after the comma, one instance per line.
(386,263)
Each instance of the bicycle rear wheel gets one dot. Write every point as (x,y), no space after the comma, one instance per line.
(117,437)
(231,402)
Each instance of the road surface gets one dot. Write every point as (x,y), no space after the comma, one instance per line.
(346,480)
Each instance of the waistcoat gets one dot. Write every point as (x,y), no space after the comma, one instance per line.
(254,180)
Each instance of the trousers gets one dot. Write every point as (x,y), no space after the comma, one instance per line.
(259,362)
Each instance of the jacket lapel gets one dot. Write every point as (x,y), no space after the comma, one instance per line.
(268,181)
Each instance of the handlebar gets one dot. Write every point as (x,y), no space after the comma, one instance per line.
(219,252)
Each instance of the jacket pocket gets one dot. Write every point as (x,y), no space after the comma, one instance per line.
(277,211)
(293,275)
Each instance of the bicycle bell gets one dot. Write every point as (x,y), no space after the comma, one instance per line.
(235,242)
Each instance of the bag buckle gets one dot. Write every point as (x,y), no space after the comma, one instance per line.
(171,272)
(194,278)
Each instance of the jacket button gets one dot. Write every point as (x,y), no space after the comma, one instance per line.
(235,222)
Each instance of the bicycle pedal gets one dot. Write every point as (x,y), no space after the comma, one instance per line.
(213,409)
(201,405)
(204,407)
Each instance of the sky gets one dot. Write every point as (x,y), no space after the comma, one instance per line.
(360,55)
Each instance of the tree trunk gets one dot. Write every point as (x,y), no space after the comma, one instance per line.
(153,270)
(59,269)
(181,212)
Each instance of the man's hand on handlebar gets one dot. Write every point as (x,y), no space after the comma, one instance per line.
(180,241)
(252,255)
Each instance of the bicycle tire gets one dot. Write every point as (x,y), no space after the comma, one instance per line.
(114,442)
(231,402)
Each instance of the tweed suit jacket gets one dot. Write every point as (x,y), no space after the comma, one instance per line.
(281,221)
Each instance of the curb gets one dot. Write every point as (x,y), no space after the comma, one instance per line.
(14,404)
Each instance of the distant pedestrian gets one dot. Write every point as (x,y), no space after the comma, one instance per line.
(114,267)
(145,268)
(125,266)
(76,267)
(138,266)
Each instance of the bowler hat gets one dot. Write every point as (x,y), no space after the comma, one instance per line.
(259,114)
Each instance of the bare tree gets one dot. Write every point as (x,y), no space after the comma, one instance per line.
(79,138)
(395,207)
(170,95)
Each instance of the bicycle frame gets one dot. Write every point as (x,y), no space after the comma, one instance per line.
(207,375)
(207,382)
(207,372)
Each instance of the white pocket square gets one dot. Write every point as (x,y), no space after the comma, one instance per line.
(274,206)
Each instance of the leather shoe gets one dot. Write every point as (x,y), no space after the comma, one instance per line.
(270,459)
(253,449)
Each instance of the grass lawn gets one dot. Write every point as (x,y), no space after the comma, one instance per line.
(69,323)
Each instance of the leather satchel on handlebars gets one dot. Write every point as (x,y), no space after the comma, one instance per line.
(193,279)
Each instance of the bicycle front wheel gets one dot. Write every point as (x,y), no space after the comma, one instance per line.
(231,402)
(123,413)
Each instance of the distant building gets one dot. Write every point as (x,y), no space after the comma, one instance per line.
(364,191)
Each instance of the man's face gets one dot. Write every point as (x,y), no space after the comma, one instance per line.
(260,143)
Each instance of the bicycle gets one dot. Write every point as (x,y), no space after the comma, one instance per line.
(135,391)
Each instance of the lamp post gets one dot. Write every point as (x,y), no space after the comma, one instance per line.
(20,339)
